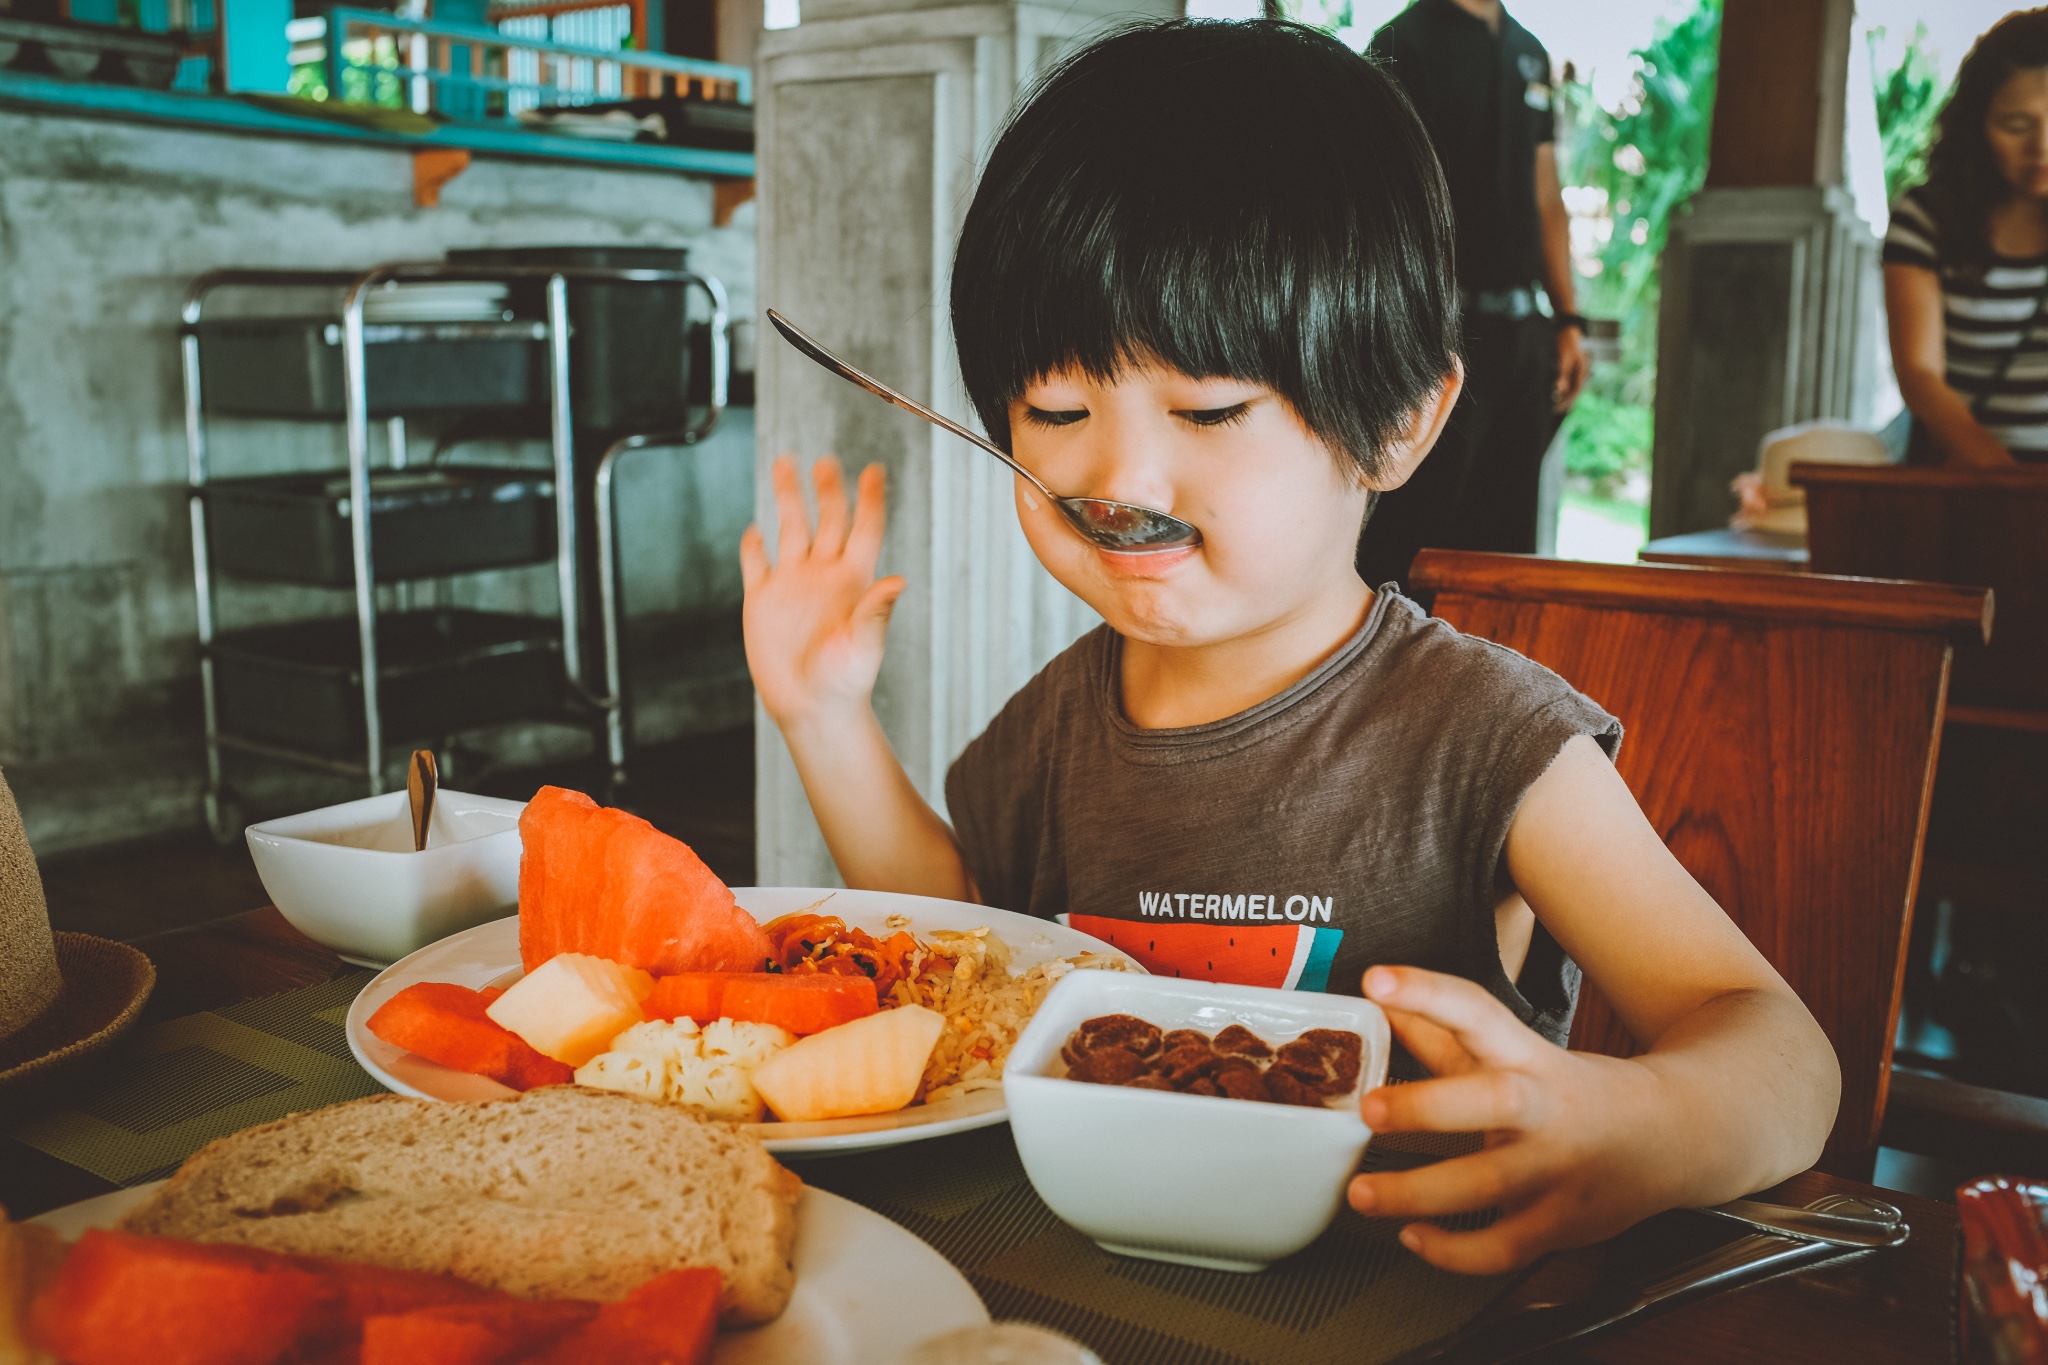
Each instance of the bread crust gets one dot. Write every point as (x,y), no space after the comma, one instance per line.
(563,1192)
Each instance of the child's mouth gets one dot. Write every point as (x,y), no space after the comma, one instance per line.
(1152,565)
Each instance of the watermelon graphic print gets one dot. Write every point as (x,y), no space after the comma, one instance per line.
(1286,956)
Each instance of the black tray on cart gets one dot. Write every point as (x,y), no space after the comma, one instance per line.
(299,686)
(627,365)
(291,367)
(424,523)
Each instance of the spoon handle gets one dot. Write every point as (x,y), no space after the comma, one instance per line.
(802,340)
(422,780)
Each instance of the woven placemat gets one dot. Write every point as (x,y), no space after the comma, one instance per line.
(1354,1296)
(180,1084)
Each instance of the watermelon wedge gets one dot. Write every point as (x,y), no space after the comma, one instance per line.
(670,1320)
(1287,956)
(121,1298)
(448,1024)
(801,1004)
(605,882)
(493,1331)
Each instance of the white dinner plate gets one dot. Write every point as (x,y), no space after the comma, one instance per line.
(855,1273)
(488,955)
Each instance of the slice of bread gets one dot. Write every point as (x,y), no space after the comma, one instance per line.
(561,1193)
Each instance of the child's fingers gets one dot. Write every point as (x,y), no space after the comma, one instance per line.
(830,481)
(1509,1244)
(864,541)
(1476,1102)
(1484,1180)
(793,522)
(871,614)
(1435,1046)
(1486,1027)
(753,558)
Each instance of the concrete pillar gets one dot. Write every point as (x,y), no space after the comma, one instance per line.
(1771,286)
(874,117)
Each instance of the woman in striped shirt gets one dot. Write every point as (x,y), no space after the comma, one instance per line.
(1966,262)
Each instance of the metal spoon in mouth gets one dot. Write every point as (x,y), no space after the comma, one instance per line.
(1123,527)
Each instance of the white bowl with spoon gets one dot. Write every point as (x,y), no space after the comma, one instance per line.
(349,877)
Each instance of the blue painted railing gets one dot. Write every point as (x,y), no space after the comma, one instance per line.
(471,72)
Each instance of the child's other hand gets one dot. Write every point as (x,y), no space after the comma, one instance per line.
(1576,1144)
(816,618)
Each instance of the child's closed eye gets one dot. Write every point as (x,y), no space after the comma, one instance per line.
(1040,417)
(1214,417)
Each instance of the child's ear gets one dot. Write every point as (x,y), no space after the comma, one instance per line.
(1425,424)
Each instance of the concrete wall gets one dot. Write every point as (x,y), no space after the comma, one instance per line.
(103,224)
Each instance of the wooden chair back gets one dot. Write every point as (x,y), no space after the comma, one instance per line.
(1983,527)
(1780,734)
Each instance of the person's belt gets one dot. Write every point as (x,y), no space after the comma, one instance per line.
(1514,304)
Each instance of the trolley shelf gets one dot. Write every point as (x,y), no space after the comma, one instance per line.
(335,693)
(300,685)
(292,367)
(424,523)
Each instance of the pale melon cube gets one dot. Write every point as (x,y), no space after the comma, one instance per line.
(868,1066)
(573,1005)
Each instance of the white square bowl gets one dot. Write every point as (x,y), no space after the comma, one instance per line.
(347,876)
(1194,1179)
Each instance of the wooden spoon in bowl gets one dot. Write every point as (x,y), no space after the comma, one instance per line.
(421,782)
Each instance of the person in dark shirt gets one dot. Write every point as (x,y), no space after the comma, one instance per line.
(1481,83)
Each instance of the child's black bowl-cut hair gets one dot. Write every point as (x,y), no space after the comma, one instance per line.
(1250,200)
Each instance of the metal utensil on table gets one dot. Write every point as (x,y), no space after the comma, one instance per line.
(1120,526)
(422,780)
(1534,1327)
(1863,1224)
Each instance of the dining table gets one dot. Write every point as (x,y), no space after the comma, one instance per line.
(245,1025)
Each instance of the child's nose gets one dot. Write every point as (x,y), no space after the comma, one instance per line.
(1128,462)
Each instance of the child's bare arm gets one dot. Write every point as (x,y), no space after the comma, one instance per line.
(815,621)
(1736,1091)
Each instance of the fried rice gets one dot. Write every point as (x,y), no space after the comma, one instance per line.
(968,978)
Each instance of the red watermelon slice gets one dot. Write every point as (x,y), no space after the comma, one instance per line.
(604,882)
(1287,956)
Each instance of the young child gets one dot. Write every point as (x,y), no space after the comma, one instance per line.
(1208,271)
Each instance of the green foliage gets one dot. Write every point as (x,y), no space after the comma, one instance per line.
(1642,160)
(1647,156)
(1605,442)
(1634,165)
(308,81)
(1908,98)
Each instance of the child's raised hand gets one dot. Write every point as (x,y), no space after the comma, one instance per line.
(816,618)
(1576,1144)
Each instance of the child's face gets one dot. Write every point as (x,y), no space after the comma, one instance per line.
(1279,514)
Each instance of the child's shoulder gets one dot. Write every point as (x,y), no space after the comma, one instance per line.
(1421,668)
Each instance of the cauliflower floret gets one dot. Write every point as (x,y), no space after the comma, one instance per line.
(709,1070)
(632,1072)
(746,1044)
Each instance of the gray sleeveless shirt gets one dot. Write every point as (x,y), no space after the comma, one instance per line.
(1357,817)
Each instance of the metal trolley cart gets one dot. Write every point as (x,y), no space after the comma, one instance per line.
(326,693)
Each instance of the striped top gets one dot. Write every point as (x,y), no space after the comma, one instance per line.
(1995,323)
